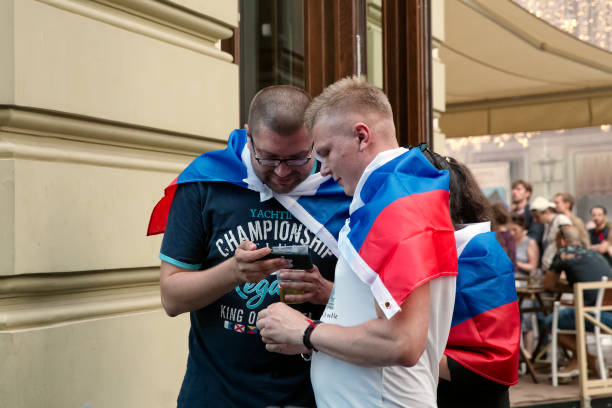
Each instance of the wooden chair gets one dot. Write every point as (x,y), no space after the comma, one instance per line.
(555,331)
(602,386)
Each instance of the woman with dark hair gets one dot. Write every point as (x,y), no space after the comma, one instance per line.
(481,357)
(527,257)
(501,226)
(527,252)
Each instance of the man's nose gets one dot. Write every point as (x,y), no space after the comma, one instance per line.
(282,170)
(325,170)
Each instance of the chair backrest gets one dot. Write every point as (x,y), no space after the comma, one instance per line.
(601,294)
(607,297)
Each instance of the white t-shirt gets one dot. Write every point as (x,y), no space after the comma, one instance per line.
(340,384)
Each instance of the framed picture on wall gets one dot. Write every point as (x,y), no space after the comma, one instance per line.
(494,180)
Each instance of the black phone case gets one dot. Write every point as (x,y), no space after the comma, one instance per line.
(300,261)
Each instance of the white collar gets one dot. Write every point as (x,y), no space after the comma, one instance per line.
(307,187)
(467,232)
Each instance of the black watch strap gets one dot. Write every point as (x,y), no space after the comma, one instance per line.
(306,337)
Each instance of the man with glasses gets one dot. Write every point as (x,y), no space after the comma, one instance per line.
(225,210)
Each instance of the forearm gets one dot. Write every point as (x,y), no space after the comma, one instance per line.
(525,267)
(373,343)
(444,370)
(400,340)
(601,248)
(185,291)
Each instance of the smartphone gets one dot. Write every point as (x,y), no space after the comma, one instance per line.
(298,254)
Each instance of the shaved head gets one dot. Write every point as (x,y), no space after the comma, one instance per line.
(279,108)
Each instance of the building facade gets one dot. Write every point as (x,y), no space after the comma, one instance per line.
(102,104)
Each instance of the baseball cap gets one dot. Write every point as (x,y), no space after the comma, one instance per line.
(541,204)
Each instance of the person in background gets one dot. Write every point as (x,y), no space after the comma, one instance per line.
(480,361)
(601,235)
(564,204)
(501,226)
(543,212)
(580,265)
(527,255)
(521,193)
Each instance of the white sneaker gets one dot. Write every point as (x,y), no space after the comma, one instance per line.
(568,373)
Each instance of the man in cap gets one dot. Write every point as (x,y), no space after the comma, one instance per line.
(544,212)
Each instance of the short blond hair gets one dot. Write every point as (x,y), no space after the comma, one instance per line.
(567,198)
(350,94)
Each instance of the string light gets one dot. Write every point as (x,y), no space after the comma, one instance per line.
(522,138)
(590,21)
(456,144)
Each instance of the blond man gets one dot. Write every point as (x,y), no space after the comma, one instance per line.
(385,327)
(564,204)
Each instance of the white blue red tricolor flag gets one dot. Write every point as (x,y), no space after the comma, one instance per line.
(399,235)
(318,202)
(486,328)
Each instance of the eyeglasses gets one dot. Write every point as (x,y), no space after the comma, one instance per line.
(277,162)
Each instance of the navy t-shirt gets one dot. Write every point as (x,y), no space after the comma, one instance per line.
(228,365)
(581,265)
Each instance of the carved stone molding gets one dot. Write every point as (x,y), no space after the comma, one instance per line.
(28,302)
(156,20)
(51,124)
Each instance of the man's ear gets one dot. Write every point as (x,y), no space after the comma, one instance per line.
(364,135)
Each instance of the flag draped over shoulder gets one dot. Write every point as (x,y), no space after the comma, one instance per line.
(318,202)
(399,235)
(485,329)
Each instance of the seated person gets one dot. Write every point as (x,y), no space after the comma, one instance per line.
(600,234)
(527,256)
(580,265)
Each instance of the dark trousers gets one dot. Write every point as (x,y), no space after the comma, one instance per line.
(470,390)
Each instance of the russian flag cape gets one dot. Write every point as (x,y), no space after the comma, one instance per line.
(399,234)
(486,328)
(318,202)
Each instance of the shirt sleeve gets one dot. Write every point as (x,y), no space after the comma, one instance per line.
(556,265)
(184,243)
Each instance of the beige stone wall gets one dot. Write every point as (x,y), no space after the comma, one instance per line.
(102,103)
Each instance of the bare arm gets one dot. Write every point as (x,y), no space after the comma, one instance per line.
(533,253)
(400,340)
(551,281)
(444,370)
(603,247)
(184,290)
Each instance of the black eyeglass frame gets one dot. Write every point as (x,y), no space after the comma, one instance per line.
(277,162)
